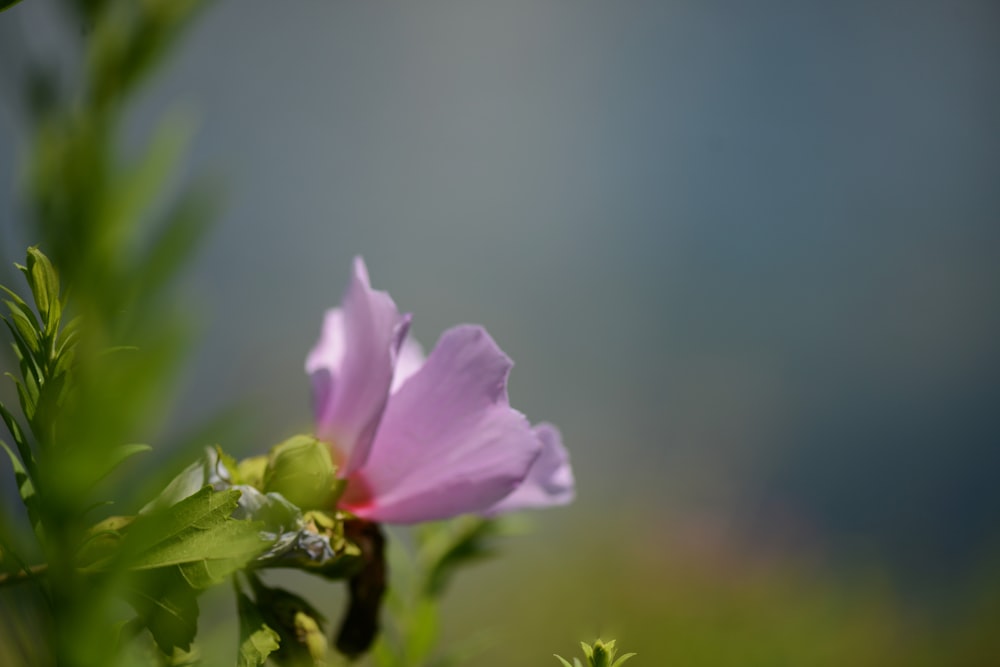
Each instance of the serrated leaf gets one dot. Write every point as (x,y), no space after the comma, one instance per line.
(298,624)
(202,574)
(196,529)
(167,606)
(257,639)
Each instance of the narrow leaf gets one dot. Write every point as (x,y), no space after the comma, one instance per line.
(25,487)
(44,283)
(19,440)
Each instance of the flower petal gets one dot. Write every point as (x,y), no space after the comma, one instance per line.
(550,480)
(351,368)
(449,443)
(411,357)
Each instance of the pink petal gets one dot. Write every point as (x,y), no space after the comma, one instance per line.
(411,357)
(449,443)
(351,368)
(550,480)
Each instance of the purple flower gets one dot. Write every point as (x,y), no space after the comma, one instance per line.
(420,439)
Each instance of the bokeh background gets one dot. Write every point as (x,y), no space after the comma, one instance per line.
(745,254)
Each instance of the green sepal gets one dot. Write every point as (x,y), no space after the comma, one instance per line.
(251,471)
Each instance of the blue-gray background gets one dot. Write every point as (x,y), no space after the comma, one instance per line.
(745,254)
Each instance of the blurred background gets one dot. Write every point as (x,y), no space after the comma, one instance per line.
(745,255)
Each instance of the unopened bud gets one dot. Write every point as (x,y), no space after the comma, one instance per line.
(301,470)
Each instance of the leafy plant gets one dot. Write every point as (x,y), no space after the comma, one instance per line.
(600,654)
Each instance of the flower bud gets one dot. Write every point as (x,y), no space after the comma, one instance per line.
(301,470)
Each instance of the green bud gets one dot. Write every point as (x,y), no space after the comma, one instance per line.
(251,472)
(602,654)
(302,471)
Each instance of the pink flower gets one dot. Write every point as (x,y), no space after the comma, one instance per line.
(425,439)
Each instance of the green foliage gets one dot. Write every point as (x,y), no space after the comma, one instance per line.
(601,654)
(296,624)
(257,639)
(167,606)
(419,580)
(198,533)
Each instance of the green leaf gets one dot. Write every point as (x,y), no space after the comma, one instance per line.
(25,487)
(27,350)
(123,453)
(445,547)
(19,440)
(620,661)
(167,605)
(21,304)
(44,283)
(198,529)
(298,624)
(257,640)
(7,4)
(176,238)
(565,662)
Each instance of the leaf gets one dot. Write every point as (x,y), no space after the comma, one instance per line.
(21,305)
(176,238)
(257,639)
(7,4)
(298,624)
(167,606)
(565,662)
(447,546)
(27,350)
(620,661)
(25,487)
(15,432)
(123,453)
(198,529)
(44,283)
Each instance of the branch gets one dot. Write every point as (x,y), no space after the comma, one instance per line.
(25,574)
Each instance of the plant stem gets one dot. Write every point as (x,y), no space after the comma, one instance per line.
(30,573)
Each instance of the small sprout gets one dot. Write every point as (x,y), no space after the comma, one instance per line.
(601,654)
